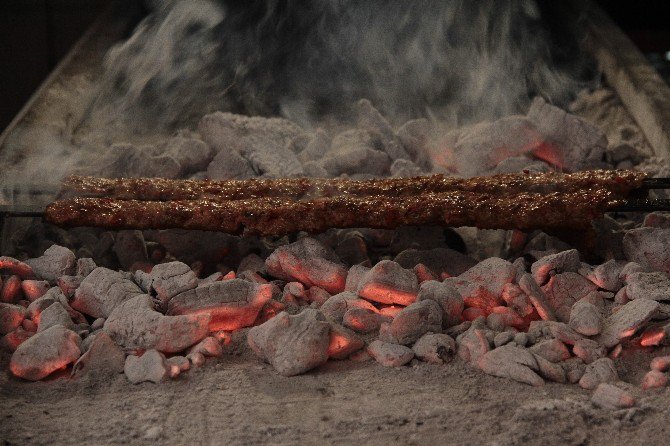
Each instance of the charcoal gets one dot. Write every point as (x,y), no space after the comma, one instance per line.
(654,286)
(356,160)
(579,144)
(314,169)
(517,300)
(439,260)
(317,296)
(552,350)
(354,277)
(317,146)
(209,346)
(436,348)
(503,318)
(55,262)
(599,371)
(102,359)
(513,363)
(521,339)
(552,330)
(127,160)
(13,339)
(414,136)
(563,290)
(387,282)
(654,379)
(180,361)
(648,247)
(134,324)
(631,268)
(624,323)
(55,314)
(227,131)
(11,317)
(447,296)
(402,168)
(550,370)
(585,318)
(292,344)
(230,304)
(566,261)
(608,275)
(416,320)
(657,220)
(361,320)
(69,284)
(588,350)
(352,249)
(16,267)
(336,306)
(370,119)
(229,165)
(472,344)
(660,363)
(170,279)
(252,262)
(34,289)
(130,248)
(482,285)
(36,307)
(191,154)
(11,290)
(343,342)
(44,353)
(197,359)
(609,396)
(102,291)
(98,323)
(151,366)
(574,369)
(390,355)
(310,262)
(29,325)
(480,147)
(502,338)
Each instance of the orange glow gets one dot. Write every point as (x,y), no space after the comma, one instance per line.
(269,310)
(224,337)
(382,293)
(510,317)
(549,153)
(12,340)
(390,310)
(34,289)
(652,336)
(11,291)
(423,273)
(482,298)
(341,345)
(229,276)
(16,267)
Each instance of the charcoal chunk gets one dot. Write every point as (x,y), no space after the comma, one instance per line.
(390,355)
(230,304)
(44,353)
(134,324)
(55,314)
(649,248)
(102,359)
(599,371)
(130,249)
(563,290)
(624,323)
(437,348)
(447,296)
(11,317)
(566,261)
(414,321)
(387,282)
(439,260)
(151,366)
(102,291)
(170,279)
(292,344)
(55,262)
(609,396)
(310,262)
(654,286)
(511,362)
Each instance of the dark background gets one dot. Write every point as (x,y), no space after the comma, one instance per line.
(36,34)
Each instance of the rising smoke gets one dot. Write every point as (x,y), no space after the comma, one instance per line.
(458,61)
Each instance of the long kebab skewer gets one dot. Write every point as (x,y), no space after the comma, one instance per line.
(156,189)
(279,216)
